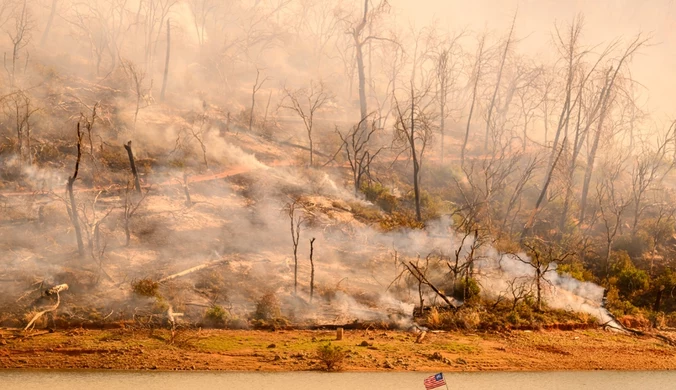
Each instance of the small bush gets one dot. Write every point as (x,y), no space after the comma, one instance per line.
(216,316)
(514,318)
(466,289)
(463,319)
(268,314)
(332,356)
(146,288)
(267,308)
(381,196)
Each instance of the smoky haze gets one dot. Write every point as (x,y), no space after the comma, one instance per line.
(183,155)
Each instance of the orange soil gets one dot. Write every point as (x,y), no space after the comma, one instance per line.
(368,350)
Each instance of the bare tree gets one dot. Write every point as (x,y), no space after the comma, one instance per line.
(72,210)
(414,122)
(520,289)
(475,78)
(141,91)
(359,151)
(129,208)
(503,60)
(650,167)
(201,10)
(156,14)
(296,223)
(19,36)
(606,101)
(19,106)
(306,102)
(255,89)
(360,38)
(93,222)
(542,258)
(612,205)
(447,69)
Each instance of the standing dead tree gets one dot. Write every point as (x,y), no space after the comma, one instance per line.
(132,164)
(447,70)
(201,10)
(606,103)
(520,289)
(612,205)
(72,210)
(296,221)
(305,102)
(475,78)
(359,151)
(542,258)
(129,208)
(503,60)
(19,106)
(414,126)
(93,231)
(651,167)
(414,122)
(143,93)
(255,89)
(312,268)
(360,39)
(20,37)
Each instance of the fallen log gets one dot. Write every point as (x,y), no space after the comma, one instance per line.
(193,269)
(54,290)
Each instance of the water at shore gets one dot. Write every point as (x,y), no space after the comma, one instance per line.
(100,380)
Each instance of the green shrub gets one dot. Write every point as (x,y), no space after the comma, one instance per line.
(381,196)
(268,314)
(466,289)
(514,318)
(332,356)
(216,316)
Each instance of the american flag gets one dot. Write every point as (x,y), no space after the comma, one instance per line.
(435,381)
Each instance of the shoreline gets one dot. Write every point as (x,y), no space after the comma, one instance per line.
(367,351)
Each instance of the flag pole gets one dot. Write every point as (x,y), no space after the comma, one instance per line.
(445,382)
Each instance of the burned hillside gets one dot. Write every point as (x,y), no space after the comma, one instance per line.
(273,164)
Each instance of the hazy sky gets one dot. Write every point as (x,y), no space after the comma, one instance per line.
(605,20)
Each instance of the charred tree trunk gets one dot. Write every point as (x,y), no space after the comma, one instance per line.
(312,269)
(132,163)
(166,62)
(74,217)
(538,283)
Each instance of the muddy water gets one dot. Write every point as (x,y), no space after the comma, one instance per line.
(100,380)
